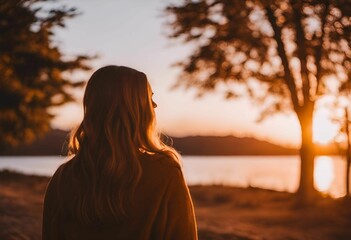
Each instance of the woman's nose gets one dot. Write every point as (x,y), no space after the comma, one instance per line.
(154,104)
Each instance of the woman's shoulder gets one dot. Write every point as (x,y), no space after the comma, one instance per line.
(161,161)
(62,171)
(160,170)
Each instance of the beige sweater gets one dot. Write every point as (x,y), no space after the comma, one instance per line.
(163,207)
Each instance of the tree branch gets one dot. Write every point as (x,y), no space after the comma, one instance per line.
(319,47)
(301,48)
(289,80)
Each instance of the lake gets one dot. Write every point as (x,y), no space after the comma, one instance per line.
(271,172)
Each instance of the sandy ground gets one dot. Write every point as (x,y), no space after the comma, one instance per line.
(221,212)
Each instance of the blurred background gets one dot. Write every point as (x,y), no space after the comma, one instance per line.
(254,94)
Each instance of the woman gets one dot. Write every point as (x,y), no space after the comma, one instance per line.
(123,182)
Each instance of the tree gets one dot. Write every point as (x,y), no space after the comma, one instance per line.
(348,151)
(32,68)
(293,48)
(343,103)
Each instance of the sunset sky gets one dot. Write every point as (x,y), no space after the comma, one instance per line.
(133,33)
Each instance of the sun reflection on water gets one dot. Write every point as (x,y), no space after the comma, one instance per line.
(323,173)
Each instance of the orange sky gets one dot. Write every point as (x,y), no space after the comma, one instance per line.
(131,33)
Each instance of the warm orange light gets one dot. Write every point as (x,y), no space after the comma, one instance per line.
(324,130)
(323,173)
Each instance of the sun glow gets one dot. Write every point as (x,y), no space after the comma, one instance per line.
(323,173)
(324,130)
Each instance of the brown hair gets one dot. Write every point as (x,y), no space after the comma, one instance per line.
(118,126)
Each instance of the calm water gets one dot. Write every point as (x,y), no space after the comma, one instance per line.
(272,172)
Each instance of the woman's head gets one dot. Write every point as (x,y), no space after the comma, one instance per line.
(118,125)
(120,100)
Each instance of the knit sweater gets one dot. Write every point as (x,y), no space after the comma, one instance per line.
(162,206)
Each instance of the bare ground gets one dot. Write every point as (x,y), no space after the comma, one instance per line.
(222,212)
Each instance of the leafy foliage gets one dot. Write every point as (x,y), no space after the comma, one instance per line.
(291,47)
(287,54)
(32,68)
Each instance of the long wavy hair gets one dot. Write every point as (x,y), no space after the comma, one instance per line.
(118,126)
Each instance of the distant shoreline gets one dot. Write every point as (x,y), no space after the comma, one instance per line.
(55,143)
(188,155)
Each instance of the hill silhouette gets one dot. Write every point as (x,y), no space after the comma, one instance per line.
(55,143)
(228,145)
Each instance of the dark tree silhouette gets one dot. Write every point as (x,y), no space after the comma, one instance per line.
(345,98)
(293,48)
(348,151)
(32,68)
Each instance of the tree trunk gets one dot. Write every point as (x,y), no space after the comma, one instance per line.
(348,176)
(348,152)
(306,189)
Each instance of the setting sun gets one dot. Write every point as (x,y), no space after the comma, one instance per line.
(324,130)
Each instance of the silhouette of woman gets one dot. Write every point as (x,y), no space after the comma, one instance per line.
(123,182)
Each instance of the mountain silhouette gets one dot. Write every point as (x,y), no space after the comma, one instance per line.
(55,143)
(228,145)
